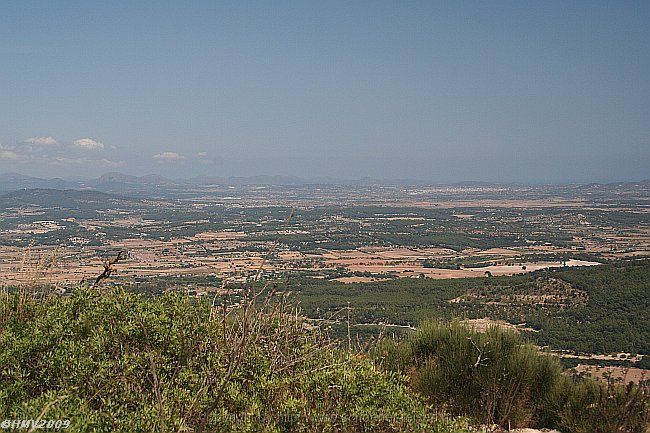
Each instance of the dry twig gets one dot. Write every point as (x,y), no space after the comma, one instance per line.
(109,268)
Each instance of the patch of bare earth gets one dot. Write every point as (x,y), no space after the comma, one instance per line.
(616,373)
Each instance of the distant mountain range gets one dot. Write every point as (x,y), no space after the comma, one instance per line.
(120,182)
(123,183)
(15,181)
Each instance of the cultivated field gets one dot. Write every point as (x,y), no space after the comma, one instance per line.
(349,240)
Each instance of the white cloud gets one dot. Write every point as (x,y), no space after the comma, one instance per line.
(42,141)
(168,156)
(41,156)
(88,144)
(202,154)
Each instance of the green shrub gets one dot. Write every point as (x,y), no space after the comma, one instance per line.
(491,376)
(585,406)
(115,361)
(496,377)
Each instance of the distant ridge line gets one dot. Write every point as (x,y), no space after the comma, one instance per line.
(13,181)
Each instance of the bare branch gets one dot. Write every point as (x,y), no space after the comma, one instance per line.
(109,268)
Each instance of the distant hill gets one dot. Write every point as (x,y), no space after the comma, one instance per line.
(67,199)
(16,181)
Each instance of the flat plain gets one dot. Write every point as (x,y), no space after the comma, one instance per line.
(392,254)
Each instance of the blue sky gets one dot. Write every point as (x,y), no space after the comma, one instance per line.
(439,91)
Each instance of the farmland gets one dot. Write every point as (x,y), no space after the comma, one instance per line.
(565,265)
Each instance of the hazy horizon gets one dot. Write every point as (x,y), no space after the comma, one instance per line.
(279,179)
(442,93)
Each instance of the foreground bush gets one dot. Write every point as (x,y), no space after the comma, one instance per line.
(586,406)
(496,377)
(115,361)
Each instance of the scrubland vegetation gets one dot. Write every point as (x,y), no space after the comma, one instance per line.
(496,377)
(114,361)
(110,360)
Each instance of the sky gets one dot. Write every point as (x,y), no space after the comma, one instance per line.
(499,91)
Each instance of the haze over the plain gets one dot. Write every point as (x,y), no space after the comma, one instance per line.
(441,92)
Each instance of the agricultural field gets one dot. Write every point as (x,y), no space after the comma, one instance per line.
(564,265)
